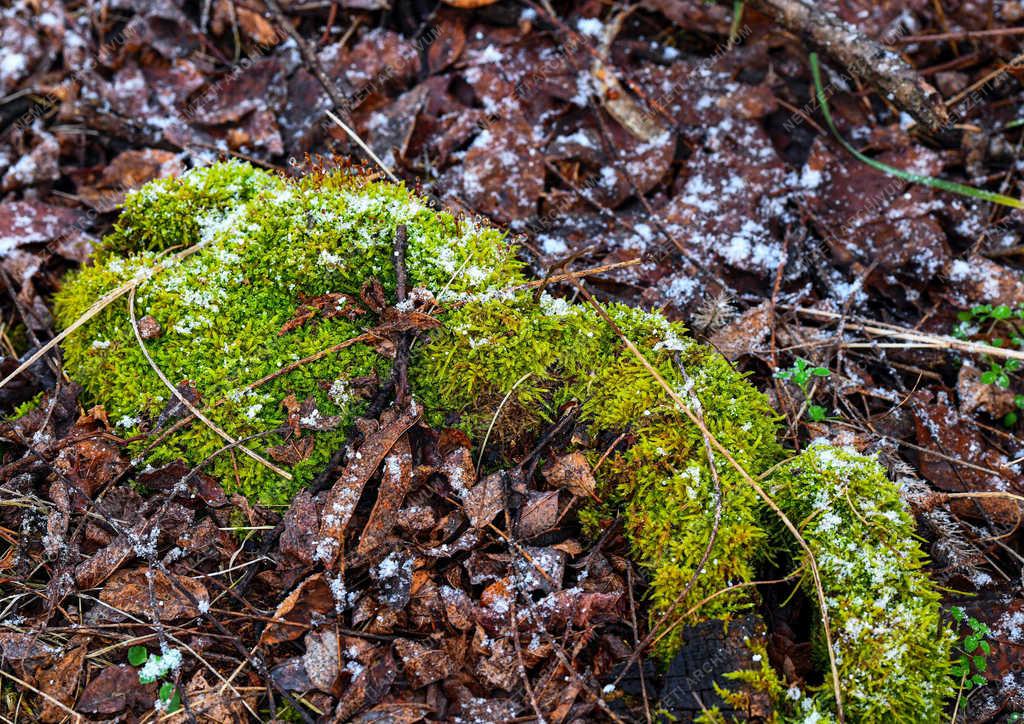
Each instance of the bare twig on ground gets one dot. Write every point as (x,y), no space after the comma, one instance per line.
(401,368)
(911,338)
(310,60)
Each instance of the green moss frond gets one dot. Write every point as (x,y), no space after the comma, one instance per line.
(891,647)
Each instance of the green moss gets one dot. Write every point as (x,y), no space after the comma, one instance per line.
(270,242)
(892,648)
(27,406)
(566,352)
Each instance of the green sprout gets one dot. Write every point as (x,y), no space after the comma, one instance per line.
(999,326)
(972,661)
(801,374)
(154,667)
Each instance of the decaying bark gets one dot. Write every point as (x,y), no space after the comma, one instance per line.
(869,60)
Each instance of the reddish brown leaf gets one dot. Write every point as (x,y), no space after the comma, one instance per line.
(539,514)
(422,664)
(60,682)
(128,591)
(213,702)
(486,499)
(572,472)
(344,494)
(90,464)
(292,452)
(503,172)
(298,539)
(115,689)
(312,596)
(394,484)
(368,688)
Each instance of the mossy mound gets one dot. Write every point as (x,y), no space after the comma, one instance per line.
(892,648)
(270,245)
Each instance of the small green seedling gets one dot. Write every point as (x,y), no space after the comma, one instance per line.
(801,374)
(154,667)
(972,662)
(999,326)
(999,374)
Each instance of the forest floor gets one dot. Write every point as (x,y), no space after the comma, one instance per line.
(730,205)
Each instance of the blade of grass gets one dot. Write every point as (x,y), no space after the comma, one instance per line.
(951,186)
(737,18)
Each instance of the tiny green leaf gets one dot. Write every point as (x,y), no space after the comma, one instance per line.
(137,655)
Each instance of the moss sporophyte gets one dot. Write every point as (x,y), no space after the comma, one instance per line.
(277,279)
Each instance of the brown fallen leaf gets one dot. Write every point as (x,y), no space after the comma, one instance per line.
(292,452)
(326,306)
(212,702)
(539,513)
(298,539)
(571,472)
(60,682)
(252,23)
(129,170)
(90,464)
(312,596)
(369,687)
(398,712)
(394,484)
(344,494)
(128,591)
(504,190)
(976,395)
(422,664)
(486,499)
(469,4)
(115,689)
(745,335)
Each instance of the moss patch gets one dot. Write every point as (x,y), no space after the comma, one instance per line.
(269,244)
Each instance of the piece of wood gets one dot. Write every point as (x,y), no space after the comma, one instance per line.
(862,57)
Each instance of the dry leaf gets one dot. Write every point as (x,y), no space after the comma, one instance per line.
(128,591)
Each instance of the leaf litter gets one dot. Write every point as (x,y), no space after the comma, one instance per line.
(446,581)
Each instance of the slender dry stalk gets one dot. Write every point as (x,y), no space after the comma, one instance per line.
(936,341)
